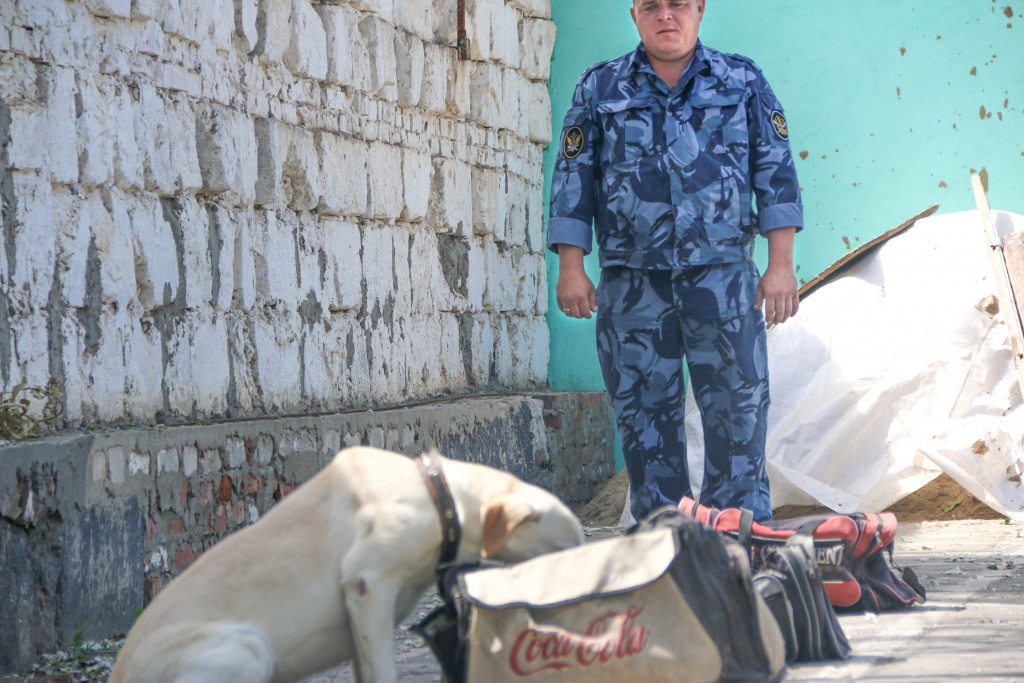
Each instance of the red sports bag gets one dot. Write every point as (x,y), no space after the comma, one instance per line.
(848,548)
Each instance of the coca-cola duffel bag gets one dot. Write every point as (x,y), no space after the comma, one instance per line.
(673,603)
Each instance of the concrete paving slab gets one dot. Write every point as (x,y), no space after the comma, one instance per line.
(971,629)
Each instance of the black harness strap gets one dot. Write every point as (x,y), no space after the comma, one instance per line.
(451,532)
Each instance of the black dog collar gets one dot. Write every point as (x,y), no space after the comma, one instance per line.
(451,532)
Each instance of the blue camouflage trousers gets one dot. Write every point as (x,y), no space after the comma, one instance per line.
(647,322)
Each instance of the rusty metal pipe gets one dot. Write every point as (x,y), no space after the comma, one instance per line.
(462,39)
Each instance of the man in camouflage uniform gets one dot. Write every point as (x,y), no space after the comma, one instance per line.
(664,150)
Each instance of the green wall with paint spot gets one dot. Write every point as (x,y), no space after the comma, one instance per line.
(894,103)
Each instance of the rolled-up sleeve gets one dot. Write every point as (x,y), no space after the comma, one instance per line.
(574,182)
(772,170)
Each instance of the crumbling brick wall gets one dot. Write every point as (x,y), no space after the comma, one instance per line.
(217,208)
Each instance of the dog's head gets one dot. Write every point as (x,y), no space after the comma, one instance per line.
(526,522)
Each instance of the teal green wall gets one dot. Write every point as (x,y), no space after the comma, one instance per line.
(883,129)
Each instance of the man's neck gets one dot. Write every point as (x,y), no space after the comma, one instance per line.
(672,71)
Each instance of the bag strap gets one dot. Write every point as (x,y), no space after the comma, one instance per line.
(746,529)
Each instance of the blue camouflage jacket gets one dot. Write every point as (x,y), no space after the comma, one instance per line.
(668,177)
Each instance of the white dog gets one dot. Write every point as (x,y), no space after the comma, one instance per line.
(324,577)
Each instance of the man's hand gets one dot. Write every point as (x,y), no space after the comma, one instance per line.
(777,291)
(575,293)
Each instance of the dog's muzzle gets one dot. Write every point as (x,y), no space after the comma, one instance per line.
(451,532)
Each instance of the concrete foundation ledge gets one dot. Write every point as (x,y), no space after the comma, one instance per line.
(92,526)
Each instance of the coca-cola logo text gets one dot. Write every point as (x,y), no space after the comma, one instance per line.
(615,635)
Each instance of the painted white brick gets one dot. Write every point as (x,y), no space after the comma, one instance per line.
(457,94)
(243,266)
(195,231)
(346,51)
(274,251)
(181,122)
(502,286)
(430,294)
(435,78)
(112,237)
(343,249)
(489,206)
(409,64)
(416,170)
(383,168)
(450,353)
(109,8)
(535,219)
(72,219)
(538,112)
(151,40)
(532,281)
(451,205)
(143,366)
(518,198)
(272,22)
(534,8)
(380,45)
(385,9)
(288,167)
(478,27)
(226,144)
(538,43)
(156,257)
(514,93)
(416,17)
(95,134)
(24,151)
(153,134)
(485,94)
(505,35)
(34,240)
(128,156)
(222,248)
(476,283)
(59,137)
(481,348)
(343,168)
(307,49)
(245,23)
(277,359)
(197,374)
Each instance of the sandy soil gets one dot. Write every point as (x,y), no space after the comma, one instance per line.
(940,500)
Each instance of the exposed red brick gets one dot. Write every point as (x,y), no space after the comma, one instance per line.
(221,515)
(152,529)
(283,490)
(252,484)
(553,421)
(205,492)
(184,556)
(250,444)
(184,492)
(177,526)
(579,418)
(152,589)
(224,495)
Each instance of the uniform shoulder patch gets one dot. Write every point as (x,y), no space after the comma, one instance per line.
(572,143)
(779,124)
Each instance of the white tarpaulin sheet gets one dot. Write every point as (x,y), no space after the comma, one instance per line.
(893,371)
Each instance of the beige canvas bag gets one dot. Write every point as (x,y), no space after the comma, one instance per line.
(670,604)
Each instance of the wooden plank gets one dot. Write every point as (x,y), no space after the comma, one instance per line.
(1013,252)
(849,259)
(1007,302)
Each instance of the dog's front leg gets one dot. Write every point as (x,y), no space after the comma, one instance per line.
(370,603)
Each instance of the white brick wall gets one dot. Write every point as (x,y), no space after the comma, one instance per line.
(254,206)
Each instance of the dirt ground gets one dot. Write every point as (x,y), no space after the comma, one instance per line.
(940,500)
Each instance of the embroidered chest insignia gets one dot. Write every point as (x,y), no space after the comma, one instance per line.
(572,145)
(780,125)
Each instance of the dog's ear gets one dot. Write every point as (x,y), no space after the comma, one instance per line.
(498,518)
